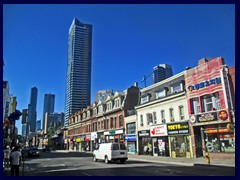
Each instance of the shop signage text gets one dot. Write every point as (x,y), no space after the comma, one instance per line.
(160,130)
(207,117)
(204,84)
(144,133)
(130,137)
(178,128)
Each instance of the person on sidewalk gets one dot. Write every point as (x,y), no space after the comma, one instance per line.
(149,149)
(15,161)
(7,157)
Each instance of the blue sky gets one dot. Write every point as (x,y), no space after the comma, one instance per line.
(128,41)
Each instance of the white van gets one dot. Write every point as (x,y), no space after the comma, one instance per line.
(110,152)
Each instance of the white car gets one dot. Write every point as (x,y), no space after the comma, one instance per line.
(110,152)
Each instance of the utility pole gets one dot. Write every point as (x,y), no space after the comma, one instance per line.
(145,79)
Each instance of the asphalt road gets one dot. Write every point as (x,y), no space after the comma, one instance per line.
(81,164)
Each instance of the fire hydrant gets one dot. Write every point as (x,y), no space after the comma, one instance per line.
(207,156)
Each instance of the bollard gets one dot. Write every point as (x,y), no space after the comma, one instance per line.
(207,158)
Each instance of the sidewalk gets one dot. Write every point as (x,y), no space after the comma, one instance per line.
(23,171)
(182,161)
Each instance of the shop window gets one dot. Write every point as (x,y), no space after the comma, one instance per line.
(180,146)
(181,112)
(217,141)
(149,118)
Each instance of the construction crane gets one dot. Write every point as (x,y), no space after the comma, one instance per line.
(145,79)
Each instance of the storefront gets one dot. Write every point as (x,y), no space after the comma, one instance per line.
(93,140)
(114,136)
(219,138)
(159,140)
(216,132)
(179,139)
(143,140)
(87,142)
(210,105)
(131,143)
(78,144)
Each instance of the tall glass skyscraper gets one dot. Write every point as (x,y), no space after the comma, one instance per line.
(161,72)
(48,106)
(78,82)
(32,111)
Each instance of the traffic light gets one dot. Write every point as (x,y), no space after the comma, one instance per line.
(14,116)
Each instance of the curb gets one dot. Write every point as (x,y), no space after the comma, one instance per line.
(163,162)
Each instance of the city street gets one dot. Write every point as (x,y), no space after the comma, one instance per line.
(81,164)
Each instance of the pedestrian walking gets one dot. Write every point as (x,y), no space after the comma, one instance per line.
(15,161)
(7,157)
(149,148)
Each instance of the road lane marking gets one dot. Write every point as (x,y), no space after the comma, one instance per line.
(86,174)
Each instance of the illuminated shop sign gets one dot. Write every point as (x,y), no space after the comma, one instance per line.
(178,128)
(204,84)
(207,117)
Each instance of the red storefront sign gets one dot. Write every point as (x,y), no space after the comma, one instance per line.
(223,115)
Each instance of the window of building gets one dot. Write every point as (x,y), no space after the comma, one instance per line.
(218,103)
(144,99)
(211,102)
(117,103)
(98,126)
(181,112)
(131,128)
(120,121)
(115,122)
(149,118)
(154,118)
(161,94)
(195,106)
(109,106)
(111,123)
(88,114)
(141,120)
(105,124)
(163,116)
(176,88)
(171,115)
(100,109)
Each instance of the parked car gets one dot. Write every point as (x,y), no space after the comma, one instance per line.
(30,151)
(110,152)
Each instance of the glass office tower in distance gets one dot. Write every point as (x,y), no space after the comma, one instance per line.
(78,82)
